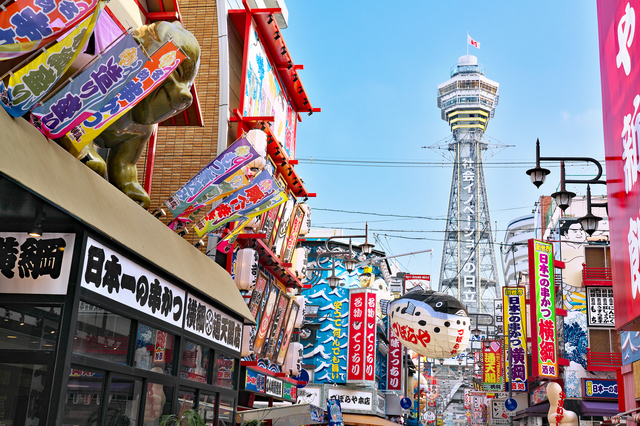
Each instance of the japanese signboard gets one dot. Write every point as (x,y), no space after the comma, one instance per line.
(600,307)
(210,183)
(89,91)
(620,77)
(370,338)
(35,265)
(206,321)
(258,382)
(163,62)
(112,275)
(270,300)
(357,335)
(492,367)
(33,81)
(282,346)
(256,296)
(411,281)
(27,25)
(498,312)
(276,327)
(352,399)
(294,230)
(515,326)
(394,362)
(599,389)
(264,96)
(539,394)
(261,189)
(543,310)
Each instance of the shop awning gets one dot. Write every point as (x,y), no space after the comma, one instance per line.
(289,415)
(361,419)
(540,410)
(44,168)
(597,408)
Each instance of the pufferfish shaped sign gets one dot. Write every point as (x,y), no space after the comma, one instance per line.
(432,324)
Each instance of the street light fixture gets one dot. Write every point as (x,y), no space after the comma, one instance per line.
(563,197)
(476,332)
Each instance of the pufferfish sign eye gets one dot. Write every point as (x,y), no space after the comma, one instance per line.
(432,324)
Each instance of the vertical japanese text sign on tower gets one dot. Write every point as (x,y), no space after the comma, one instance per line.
(543,310)
(515,328)
(362,336)
(394,362)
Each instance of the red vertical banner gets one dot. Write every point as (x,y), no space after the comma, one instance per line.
(357,319)
(620,78)
(394,362)
(370,338)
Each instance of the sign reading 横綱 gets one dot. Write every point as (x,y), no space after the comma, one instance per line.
(208,322)
(35,265)
(394,362)
(543,310)
(599,389)
(515,327)
(620,76)
(362,336)
(112,275)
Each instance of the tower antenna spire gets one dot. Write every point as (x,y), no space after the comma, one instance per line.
(468,270)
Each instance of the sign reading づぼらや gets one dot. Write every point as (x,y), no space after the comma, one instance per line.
(35,265)
(112,275)
(543,310)
(353,400)
(208,322)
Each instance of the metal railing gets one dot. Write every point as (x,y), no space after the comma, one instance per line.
(603,361)
(596,276)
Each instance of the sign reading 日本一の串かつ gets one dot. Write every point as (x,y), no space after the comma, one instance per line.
(516,330)
(543,311)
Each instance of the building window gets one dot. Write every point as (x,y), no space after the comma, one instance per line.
(82,405)
(28,341)
(224,371)
(207,408)
(157,403)
(195,362)
(186,401)
(101,334)
(124,400)
(154,350)
(225,415)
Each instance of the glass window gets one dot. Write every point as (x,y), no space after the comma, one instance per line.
(186,401)
(24,386)
(195,363)
(224,371)
(225,416)
(101,334)
(157,404)
(124,400)
(207,408)
(154,350)
(82,405)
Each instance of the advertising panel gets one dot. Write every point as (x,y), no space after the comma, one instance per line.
(492,367)
(411,281)
(516,328)
(264,96)
(600,307)
(37,265)
(543,312)
(620,77)
(357,335)
(599,389)
(370,338)
(394,362)
(352,400)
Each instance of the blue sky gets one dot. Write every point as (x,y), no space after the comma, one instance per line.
(373,68)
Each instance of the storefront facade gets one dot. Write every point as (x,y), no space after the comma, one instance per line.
(108,315)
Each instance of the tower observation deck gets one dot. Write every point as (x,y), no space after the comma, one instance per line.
(468,270)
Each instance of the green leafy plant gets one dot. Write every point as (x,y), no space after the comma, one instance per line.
(187,418)
(115,417)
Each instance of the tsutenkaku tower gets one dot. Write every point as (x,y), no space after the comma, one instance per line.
(468,271)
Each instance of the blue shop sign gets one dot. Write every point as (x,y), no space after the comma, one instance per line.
(599,389)
(254,381)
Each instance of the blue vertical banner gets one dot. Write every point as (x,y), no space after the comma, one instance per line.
(329,353)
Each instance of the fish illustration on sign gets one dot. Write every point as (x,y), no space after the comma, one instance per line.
(433,324)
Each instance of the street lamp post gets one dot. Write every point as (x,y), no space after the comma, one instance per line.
(563,197)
